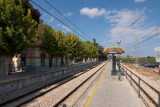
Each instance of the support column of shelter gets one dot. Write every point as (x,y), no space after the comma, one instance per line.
(113,64)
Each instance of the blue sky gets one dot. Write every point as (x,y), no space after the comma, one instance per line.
(109,21)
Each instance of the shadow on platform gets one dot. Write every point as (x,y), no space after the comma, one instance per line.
(115,73)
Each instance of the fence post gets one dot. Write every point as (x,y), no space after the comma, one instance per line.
(131,78)
(126,74)
(158,98)
(119,71)
(139,87)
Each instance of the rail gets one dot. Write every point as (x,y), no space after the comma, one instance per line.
(130,74)
(64,79)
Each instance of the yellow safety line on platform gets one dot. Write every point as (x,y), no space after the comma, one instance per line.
(90,98)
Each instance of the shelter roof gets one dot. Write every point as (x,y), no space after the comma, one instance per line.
(115,50)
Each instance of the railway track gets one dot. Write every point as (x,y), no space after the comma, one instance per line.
(29,97)
(60,103)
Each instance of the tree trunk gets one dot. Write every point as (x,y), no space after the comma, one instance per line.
(84,60)
(88,60)
(62,61)
(97,59)
(56,64)
(92,60)
(4,65)
(73,61)
(67,61)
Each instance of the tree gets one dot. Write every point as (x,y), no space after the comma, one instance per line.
(100,49)
(61,49)
(74,46)
(34,12)
(39,32)
(81,54)
(94,52)
(90,50)
(61,46)
(49,43)
(16,30)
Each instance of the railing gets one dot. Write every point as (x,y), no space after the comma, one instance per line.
(29,67)
(139,88)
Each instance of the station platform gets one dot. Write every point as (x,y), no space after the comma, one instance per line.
(109,91)
(20,75)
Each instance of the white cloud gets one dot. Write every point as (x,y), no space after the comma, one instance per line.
(140,1)
(58,25)
(64,27)
(51,19)
(47,17)
(122,30)
(68,14)
(104,42)
(93,12)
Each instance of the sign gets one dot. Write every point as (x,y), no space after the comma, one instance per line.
(157,54)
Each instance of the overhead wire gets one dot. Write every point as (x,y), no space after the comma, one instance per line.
(144,41)
(66,18)
(152,42)
(153,6)
(58,19)
(134,22)
(145,36)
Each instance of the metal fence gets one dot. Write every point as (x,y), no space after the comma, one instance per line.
(29,67)
(137,83)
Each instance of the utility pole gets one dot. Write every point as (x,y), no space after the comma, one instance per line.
(119,42)
(137,52)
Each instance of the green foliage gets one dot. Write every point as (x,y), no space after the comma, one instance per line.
(74,45)
(39,32)
(16,28)
(61,44)
(90,50)
(140,60)
(82,52)
(58,45)
(49,43)
(100,49)
(34,12)
(127,60)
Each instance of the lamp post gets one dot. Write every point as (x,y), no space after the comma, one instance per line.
(119,42)
(119,74)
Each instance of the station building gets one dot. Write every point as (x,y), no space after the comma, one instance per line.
(35,58)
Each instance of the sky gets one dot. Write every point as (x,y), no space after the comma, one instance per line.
(108,21)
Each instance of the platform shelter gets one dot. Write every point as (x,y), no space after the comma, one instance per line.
(113,51)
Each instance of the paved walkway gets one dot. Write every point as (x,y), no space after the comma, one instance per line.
(111,93)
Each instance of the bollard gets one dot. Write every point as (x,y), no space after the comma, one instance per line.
(139,87)
(119,73)
(126,74)
(64,105)
(131,79)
